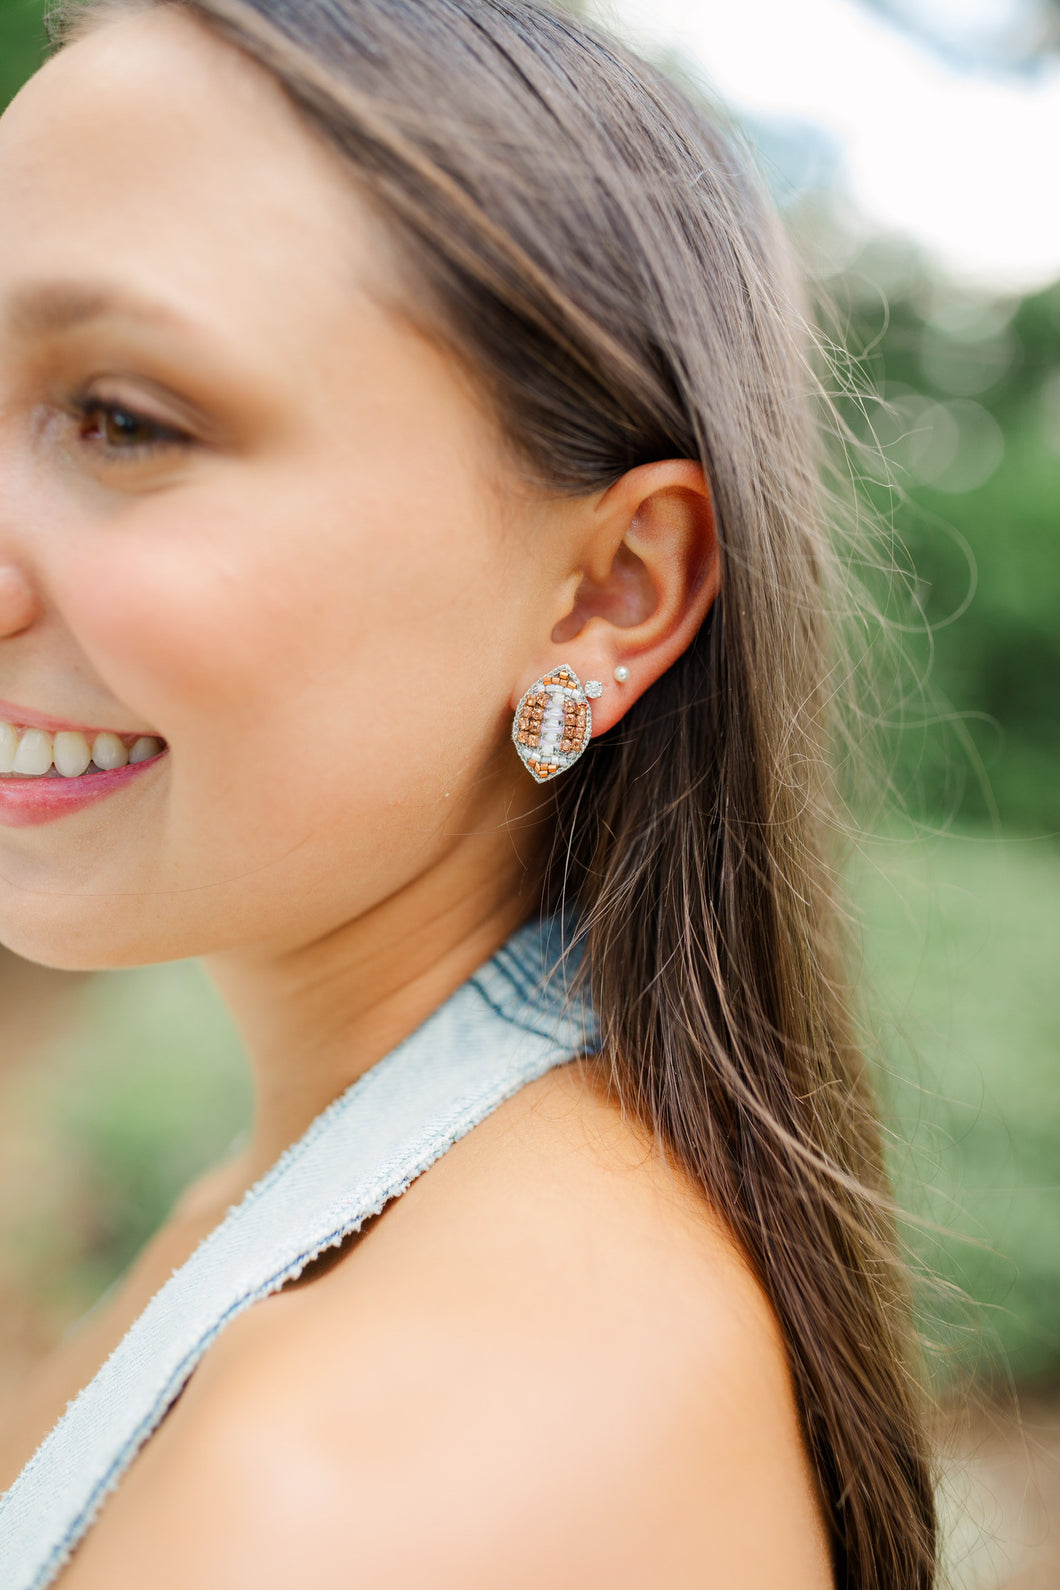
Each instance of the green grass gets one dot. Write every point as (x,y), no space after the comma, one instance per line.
(962,952)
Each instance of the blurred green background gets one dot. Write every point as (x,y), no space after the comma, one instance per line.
(118,1089)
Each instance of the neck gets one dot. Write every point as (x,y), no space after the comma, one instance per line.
(316,1017)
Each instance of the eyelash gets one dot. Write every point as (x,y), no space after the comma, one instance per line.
(88,408)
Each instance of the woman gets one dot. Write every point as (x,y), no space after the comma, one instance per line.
(384,383)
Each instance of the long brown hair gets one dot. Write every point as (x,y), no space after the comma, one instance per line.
(591,242)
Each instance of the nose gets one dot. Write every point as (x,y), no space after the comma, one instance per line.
(19,605)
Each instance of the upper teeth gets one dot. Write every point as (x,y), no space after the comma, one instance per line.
(33,751)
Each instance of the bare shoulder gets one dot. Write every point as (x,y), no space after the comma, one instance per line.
(546,1364)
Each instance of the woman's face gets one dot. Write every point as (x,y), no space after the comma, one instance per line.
(244,509)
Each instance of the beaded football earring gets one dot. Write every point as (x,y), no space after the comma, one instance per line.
(554,722)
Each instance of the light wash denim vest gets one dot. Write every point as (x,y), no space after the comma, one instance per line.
(512,1021)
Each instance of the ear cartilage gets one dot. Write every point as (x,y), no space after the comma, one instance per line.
(553,723)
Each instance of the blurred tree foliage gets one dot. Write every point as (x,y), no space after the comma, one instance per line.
(968,423)
(1017,37)
(22,43)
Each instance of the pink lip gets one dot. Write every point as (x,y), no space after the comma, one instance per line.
(10,712)
(25,802)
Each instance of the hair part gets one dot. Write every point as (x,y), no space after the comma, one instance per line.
(591,242)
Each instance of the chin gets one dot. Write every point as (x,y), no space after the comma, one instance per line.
(60,956)
(72,935)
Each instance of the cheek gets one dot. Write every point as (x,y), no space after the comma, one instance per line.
(158,616)
(359,648)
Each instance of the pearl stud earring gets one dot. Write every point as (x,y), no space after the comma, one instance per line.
(621,674)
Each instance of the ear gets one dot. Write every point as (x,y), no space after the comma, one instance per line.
(647,574)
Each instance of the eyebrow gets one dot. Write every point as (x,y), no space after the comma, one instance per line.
(49,308)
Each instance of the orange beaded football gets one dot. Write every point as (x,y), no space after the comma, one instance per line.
(554,722)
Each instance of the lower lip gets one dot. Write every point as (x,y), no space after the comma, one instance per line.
(25,802)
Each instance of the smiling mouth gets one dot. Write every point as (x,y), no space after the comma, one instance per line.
(30,753)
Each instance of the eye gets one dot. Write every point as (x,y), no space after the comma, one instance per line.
(118,431)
